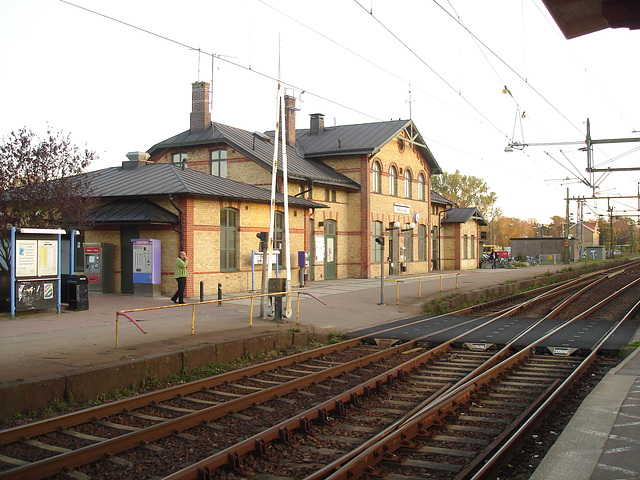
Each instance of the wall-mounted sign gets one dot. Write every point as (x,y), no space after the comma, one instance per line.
(402,209)
(47,258)
(26,258)
(319,250)
(36,258)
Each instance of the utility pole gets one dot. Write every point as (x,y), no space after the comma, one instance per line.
(568,226)
(611,228)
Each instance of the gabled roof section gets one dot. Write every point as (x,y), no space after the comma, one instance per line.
(440,200)
(463,215)
(362,139)
(258,147)
(144,212)
(166,179)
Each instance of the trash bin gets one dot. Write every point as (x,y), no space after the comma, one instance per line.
(78,291)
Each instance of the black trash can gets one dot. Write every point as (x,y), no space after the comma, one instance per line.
(78,291)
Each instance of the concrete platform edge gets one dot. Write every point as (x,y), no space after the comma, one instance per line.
(89,384)
(578,449)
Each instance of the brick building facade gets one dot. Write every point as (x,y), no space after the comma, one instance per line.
(350,185)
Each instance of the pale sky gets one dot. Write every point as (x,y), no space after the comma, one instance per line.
(116,88)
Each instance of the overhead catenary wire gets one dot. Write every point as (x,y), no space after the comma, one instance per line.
(421,60)
(261,74)
(226,60)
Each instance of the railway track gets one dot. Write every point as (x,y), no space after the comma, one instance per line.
(344,410)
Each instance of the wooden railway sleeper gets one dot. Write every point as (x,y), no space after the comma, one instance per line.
(204,474)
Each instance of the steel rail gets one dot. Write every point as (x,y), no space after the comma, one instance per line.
(358,464)
(82,456)
(231,456)
(76,418)
(120,407)
(513,444)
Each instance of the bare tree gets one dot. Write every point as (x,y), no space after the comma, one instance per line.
(41,185)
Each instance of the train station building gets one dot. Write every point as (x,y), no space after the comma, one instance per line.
(206,190)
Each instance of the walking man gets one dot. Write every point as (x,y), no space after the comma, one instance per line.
(494,258)
(180,274)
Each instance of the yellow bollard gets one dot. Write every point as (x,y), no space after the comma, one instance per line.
(193,318)
(298,310)
(397,292)
(251,313)
(440,282)
(420,287)
(457,279)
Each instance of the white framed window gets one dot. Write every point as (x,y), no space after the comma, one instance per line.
(218,163)
(421,188)
(393,181)
(407,183)
(376,178)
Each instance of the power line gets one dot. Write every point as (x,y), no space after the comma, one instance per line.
(429,67)
(507,65)
(222,57)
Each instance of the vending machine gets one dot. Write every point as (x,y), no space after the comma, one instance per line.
(99,266)
(147,275)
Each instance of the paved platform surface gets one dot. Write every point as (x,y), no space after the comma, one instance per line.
(603,441)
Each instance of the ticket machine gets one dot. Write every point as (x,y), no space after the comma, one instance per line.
(146,267)
(99,266)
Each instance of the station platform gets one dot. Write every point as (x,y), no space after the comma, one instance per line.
(38,344)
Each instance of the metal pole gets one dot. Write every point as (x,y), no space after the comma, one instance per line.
(202,291)
(219,293)
(382,273)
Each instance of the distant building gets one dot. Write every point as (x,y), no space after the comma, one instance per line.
(548,248)
(588,231)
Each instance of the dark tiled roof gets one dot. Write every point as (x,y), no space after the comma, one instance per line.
(302,160)
(462,215)
(133,211)
(363,138)
(258,147)
(440,200)
(165,179)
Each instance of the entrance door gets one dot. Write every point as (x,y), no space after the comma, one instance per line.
(127,233)
(330,258)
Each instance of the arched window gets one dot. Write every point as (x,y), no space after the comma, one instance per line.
(393,181)
(465,247)
(421,188)
(376,178)
(407,183)
(473,246)
(376,250)
(228,239)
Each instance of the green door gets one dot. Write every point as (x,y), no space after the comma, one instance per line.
(330,253)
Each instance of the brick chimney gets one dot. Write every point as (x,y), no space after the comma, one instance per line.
(290,118)
(317,124)
(200,114)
